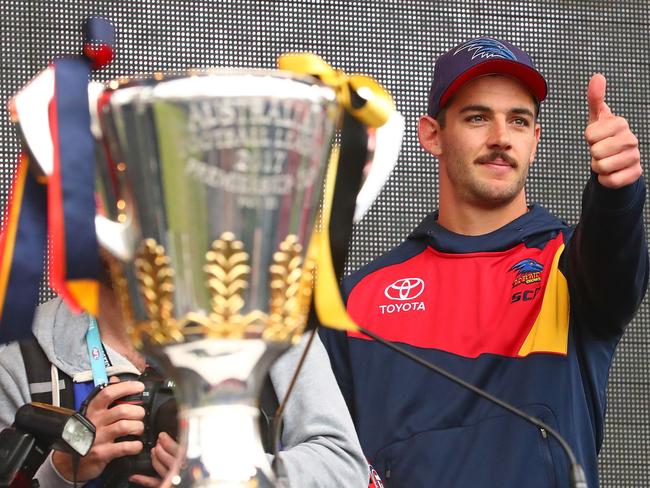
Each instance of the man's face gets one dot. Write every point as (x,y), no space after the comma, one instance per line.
(488,142)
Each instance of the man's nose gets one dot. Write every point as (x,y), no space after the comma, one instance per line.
(499,136)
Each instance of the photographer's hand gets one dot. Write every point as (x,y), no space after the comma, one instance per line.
(162,458)
(110,423)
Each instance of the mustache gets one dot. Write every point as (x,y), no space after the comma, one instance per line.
(497,155)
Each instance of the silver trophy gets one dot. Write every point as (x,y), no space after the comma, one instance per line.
(211,184)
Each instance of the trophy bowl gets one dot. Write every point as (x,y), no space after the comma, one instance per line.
(210,186)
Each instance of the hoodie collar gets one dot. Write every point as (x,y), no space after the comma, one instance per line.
(528,228)
(62,336)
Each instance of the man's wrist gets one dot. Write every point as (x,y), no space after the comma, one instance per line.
(48,475)
(62,465)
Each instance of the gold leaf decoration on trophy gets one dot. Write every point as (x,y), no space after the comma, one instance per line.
(155,278)
(290,291)
(228,273)
(305,291)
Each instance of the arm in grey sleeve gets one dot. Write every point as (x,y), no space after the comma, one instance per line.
(14,393)
(47,475)
(320,445)
(14,387)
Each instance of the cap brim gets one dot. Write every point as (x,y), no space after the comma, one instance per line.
(528,76)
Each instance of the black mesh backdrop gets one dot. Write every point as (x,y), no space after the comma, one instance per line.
(395,41)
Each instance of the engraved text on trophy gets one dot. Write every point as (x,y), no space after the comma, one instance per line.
(259,150)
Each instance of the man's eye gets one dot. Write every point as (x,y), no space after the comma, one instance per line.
(475,118)
(521,122)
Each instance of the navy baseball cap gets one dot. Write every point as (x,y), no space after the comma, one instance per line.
(478,57)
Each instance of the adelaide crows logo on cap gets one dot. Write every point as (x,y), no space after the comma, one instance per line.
(486,48)
(528,271)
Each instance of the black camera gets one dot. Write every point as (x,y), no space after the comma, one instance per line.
(160,408)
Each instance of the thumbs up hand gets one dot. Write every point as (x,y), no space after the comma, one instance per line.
(614,148)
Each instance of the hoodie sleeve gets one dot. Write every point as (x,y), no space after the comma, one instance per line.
(14,393)
(608,258)
(14,387)
(321,448)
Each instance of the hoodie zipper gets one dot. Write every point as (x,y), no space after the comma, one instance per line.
(546,452)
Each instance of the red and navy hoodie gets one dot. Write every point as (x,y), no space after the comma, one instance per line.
(531,313)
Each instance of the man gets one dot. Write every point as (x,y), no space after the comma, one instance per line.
(501,294)
(62,336)
(320,447)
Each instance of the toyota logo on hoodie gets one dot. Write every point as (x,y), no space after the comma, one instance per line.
(404,292)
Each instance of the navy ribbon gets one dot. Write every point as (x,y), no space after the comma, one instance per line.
(75,256)
(19,294)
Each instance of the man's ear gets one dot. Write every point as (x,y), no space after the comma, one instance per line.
(429,134)
(538,133)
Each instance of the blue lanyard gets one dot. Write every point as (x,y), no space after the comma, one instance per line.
(96,353)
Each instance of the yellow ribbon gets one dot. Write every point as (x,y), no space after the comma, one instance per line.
(375,105)
(327,294)
(371,104)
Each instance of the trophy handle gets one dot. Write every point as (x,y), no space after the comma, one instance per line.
(387,146)
(119,236)
(29,108)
